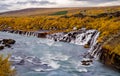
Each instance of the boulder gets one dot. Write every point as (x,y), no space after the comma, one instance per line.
(8,41)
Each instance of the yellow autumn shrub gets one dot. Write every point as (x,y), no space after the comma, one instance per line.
(5,67)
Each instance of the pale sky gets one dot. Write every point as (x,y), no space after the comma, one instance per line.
(9,5)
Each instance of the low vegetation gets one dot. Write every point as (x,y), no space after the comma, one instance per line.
(5,68)
(60,13)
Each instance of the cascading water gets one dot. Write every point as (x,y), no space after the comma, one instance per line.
(80,37)
(32,56)
(38,34)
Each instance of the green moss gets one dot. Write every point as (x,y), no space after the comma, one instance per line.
(60,13)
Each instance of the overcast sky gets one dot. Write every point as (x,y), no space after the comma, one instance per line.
(8,5)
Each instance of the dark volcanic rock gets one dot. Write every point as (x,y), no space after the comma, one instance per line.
(8,41)
(111,59)
(42,35)
(0,41)
(110,15)
(21,62)
(80,15)
(86,62)
(8,45)
(1,47)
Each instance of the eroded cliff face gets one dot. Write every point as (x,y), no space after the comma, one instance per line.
(110,52)
(110,59)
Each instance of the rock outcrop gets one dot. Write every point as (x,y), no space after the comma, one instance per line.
(39,34)
(6,43)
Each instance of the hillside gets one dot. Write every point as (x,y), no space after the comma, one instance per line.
(51,11)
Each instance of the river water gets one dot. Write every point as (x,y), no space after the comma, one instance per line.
(33,56)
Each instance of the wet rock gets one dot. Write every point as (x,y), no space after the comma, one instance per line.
(78,37)
(86,46)
(8,45)
(86,62)
(42,35)
(45,66)
(21,62)
(8,41)
(117,61)
(0,41)
(110,59)
(1,47)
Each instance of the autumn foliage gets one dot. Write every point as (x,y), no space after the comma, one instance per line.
(5,67)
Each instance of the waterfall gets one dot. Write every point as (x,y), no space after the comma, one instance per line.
(80,37)
(27,33)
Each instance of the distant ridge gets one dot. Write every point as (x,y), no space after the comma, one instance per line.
(47,11)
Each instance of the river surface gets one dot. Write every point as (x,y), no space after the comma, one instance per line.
(33,56)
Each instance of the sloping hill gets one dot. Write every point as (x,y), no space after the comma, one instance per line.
(54,11)
(36,11)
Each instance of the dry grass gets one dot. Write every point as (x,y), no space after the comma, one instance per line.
(48,11)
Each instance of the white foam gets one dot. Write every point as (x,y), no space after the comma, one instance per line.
(58,45)
(39,69)
(82,70)
(12,67)
(58,56)
(49,59)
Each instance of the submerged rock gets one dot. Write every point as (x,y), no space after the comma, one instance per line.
(21,62)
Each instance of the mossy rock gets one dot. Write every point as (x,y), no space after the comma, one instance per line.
(86,46)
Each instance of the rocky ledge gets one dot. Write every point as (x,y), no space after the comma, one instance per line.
(39,34)
(110,59)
